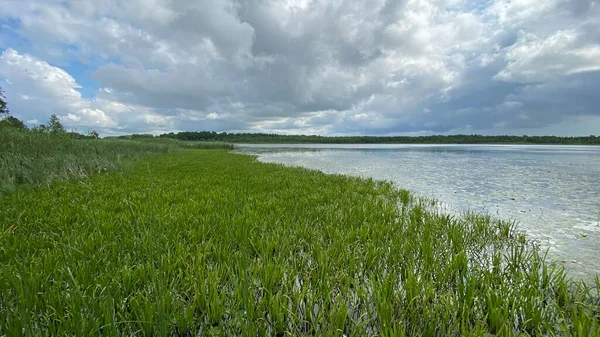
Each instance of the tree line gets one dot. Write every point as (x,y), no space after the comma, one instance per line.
(434,139)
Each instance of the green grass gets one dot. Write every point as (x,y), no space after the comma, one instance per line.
(204,145)
(213,243)
(35,158)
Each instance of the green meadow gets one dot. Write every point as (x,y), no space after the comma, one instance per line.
(188,242)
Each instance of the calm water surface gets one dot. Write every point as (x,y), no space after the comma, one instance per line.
(552,191)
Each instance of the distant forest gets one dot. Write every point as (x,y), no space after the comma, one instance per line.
(436,139)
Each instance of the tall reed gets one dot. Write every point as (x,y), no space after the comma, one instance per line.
(35,158)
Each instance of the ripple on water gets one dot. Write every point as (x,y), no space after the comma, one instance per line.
(553,192)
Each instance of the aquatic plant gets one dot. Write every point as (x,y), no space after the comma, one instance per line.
(213,243)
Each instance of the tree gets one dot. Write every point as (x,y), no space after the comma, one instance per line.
(12,122)
(3,106)
(40,128)
(54,125)
(93,134)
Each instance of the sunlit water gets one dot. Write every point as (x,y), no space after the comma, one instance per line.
(553,192)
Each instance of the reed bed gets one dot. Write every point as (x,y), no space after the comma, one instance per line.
(212,243)
(35,158)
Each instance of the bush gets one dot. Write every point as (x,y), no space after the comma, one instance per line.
(12,122)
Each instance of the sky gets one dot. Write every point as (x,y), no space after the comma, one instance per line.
(326,67)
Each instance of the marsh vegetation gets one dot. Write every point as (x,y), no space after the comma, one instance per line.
(42,155)
(213,243)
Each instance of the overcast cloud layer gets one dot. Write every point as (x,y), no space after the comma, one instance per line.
(327,67)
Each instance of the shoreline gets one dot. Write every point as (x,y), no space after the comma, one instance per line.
(568,230)
(214,240)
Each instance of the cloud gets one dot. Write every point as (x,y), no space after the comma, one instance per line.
(532,59)
(306,66)
(46,90)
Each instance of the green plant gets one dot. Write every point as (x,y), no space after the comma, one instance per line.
(213,243)
(12,122)
(33,158)
(55,126)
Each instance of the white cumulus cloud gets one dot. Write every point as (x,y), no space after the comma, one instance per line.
(45,90)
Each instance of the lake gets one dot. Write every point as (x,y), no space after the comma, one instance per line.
(553,192)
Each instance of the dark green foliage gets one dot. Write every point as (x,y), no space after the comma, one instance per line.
(453,139)
(40,128)
(93,134)
(212,243)
(12,122)
(55,126)
(138,136)
(77,135)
